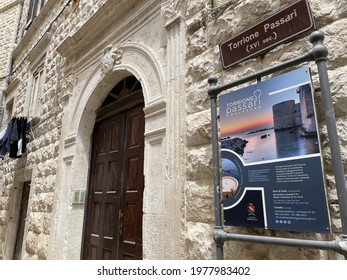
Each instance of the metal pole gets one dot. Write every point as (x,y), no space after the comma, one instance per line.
(320,53)
(292,62)
(336,246)
(216,166)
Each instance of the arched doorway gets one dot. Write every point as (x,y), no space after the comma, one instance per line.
(113,218)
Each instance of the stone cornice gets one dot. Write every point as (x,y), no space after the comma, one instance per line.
(171,11)
(12,86)
(9,6)
(99,25)
(39,47)
(39,25)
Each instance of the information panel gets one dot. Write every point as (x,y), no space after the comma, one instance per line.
(272,175)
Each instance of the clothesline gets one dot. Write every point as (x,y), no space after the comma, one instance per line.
(5,124)
(13,138)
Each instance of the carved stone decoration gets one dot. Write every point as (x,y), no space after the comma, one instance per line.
(67,85)
(170,10)
(110,58)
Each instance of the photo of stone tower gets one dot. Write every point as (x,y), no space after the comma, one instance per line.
(288,114)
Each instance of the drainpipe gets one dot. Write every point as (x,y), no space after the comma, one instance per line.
(10,63)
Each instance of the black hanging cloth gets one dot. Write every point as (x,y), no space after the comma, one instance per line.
(13,138)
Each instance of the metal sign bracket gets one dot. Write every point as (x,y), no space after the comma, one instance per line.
(318,53)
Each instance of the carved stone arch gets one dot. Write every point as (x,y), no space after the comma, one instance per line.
(93,84)
(137,60)
(91,97)
(145,65)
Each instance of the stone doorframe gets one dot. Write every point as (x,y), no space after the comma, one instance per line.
(20,176)
(84,93)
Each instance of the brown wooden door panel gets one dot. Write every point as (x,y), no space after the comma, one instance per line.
(134,181)
(113,227)
(99,176)
(113,177)
(134,185)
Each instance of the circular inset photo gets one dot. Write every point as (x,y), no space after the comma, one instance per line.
(229,186)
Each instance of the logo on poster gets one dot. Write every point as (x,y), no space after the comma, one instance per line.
(251,212)
(245,104)
(251,209)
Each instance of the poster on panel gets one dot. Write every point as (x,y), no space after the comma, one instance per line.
(272,173)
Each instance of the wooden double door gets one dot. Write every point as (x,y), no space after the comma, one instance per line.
(113,218)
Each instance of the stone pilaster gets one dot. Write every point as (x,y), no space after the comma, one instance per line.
(176,118)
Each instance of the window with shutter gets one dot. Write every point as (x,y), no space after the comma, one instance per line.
(35,7)
(35,94)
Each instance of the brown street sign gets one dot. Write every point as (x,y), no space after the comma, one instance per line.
(280,27)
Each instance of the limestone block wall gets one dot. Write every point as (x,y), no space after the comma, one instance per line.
(8,16)
(9,11)
(203,59)
(54,23)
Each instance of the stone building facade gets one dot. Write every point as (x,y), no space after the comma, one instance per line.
(85,56)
